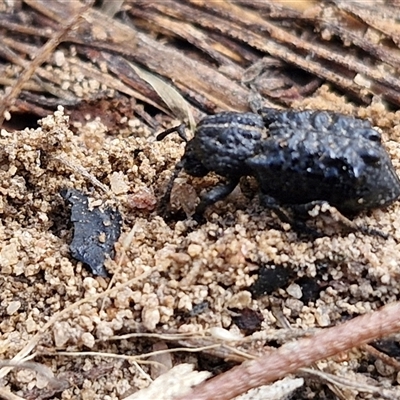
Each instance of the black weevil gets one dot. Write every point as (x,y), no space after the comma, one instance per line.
(297,157)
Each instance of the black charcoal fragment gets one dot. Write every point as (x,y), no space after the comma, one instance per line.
(95,231)
(248,320)
(270,278)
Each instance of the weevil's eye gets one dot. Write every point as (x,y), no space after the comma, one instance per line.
(371,134)
(370,156)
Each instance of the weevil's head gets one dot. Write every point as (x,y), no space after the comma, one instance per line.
(222,143)
(191,162)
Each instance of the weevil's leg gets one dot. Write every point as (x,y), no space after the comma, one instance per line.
(372,231)
(214,195)
(297,226)
(164,202)
(180,130)
(270,203)
(269,115)
(306,207)
(255,100)
(337,216)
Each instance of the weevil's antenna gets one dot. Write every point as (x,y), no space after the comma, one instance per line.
(180,130)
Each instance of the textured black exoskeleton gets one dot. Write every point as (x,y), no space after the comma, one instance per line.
(297,158)
(318,155)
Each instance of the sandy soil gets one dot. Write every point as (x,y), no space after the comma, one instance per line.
(186,278)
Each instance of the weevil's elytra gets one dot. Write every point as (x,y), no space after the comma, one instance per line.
(316,155)
(297,157)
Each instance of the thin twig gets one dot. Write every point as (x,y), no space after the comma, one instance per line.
(302,353)
(382,356)
(80,170)
(347,383)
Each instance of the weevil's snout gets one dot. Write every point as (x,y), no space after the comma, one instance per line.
(377,186)
(388,184)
